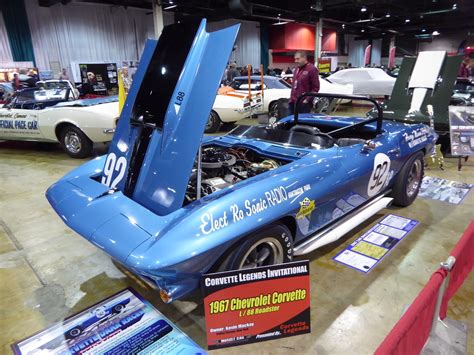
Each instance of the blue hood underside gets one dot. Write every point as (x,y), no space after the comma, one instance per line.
(164,117)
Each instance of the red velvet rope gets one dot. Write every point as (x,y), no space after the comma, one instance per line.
(410,333)
(464,254)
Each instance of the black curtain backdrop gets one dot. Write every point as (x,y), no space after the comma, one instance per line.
(18,31)
(264,46)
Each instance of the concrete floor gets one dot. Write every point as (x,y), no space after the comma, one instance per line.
(47,272)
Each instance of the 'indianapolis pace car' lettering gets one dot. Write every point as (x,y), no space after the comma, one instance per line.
(210,223)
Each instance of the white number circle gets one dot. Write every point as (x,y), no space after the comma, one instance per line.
(379,176)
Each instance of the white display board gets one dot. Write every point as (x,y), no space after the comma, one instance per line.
(427,68)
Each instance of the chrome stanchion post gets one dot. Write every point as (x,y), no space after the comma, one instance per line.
(447,265)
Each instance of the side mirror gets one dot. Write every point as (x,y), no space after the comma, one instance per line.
(368,147)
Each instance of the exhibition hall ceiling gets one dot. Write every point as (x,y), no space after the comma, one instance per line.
(365,17)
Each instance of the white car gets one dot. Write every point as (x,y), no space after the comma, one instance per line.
(366,81)
(49,116)
(231,106)
(276,88)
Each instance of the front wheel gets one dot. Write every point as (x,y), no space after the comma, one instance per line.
(75,142)
(213,123)
(269,246)
(409,180)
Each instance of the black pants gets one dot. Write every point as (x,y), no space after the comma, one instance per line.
(303,107)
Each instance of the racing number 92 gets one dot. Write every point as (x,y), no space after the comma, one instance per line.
(113,164)
(379,172)
(379,176)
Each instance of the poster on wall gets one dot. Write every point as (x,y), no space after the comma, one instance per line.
(461,128)
(99,79)
(324,65)
(251,305)
(122,324)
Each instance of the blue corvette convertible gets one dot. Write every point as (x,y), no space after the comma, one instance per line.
(171,205)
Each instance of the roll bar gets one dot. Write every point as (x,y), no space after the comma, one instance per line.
(377,119)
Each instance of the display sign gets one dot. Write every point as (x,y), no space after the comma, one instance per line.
(99,79)
(461,127)
(122,324)
(324,65)
(251,305)
(444,190)
(369,249)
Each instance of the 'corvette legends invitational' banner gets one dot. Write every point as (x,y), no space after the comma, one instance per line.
(264,303)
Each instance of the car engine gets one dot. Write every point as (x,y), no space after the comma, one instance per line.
(222,167)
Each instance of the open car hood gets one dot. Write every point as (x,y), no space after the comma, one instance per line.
(163,120)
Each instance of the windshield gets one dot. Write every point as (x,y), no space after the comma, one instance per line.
(53,85)
(280,136)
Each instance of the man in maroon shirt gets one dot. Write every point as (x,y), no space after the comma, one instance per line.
(305,79)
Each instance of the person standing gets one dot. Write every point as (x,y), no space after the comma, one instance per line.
(63,75)
(16,85)
(232,72)
(305,79)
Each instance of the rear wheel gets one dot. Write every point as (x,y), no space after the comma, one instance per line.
(213,123)
(75,142)
(269,246)
(279,109)
(409,180)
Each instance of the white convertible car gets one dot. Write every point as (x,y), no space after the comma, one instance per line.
(49,116)
(276,88)
(366,81)
(231,106)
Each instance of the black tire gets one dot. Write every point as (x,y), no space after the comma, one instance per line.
(73,333)
(227,126)
(75,143)
(408,182)
(268,246)
(281,109)
(118,308)
(213,123)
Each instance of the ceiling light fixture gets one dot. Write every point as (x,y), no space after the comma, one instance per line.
(170,7)
(423,30)
(363,9)
(407,20)
(343,26)
(455,6)
(387,15)
(280,23)
(362,31)
(436,33)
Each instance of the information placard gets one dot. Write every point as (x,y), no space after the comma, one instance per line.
(369,249)
(461,127)
(265,303)
(122,324)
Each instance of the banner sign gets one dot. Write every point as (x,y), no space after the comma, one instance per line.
(324,65)
(461,127)
(368,250)
(251,305)
(122,324)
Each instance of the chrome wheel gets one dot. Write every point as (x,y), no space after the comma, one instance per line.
(72,141)
(414,178)
(264,252)
(273,110)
